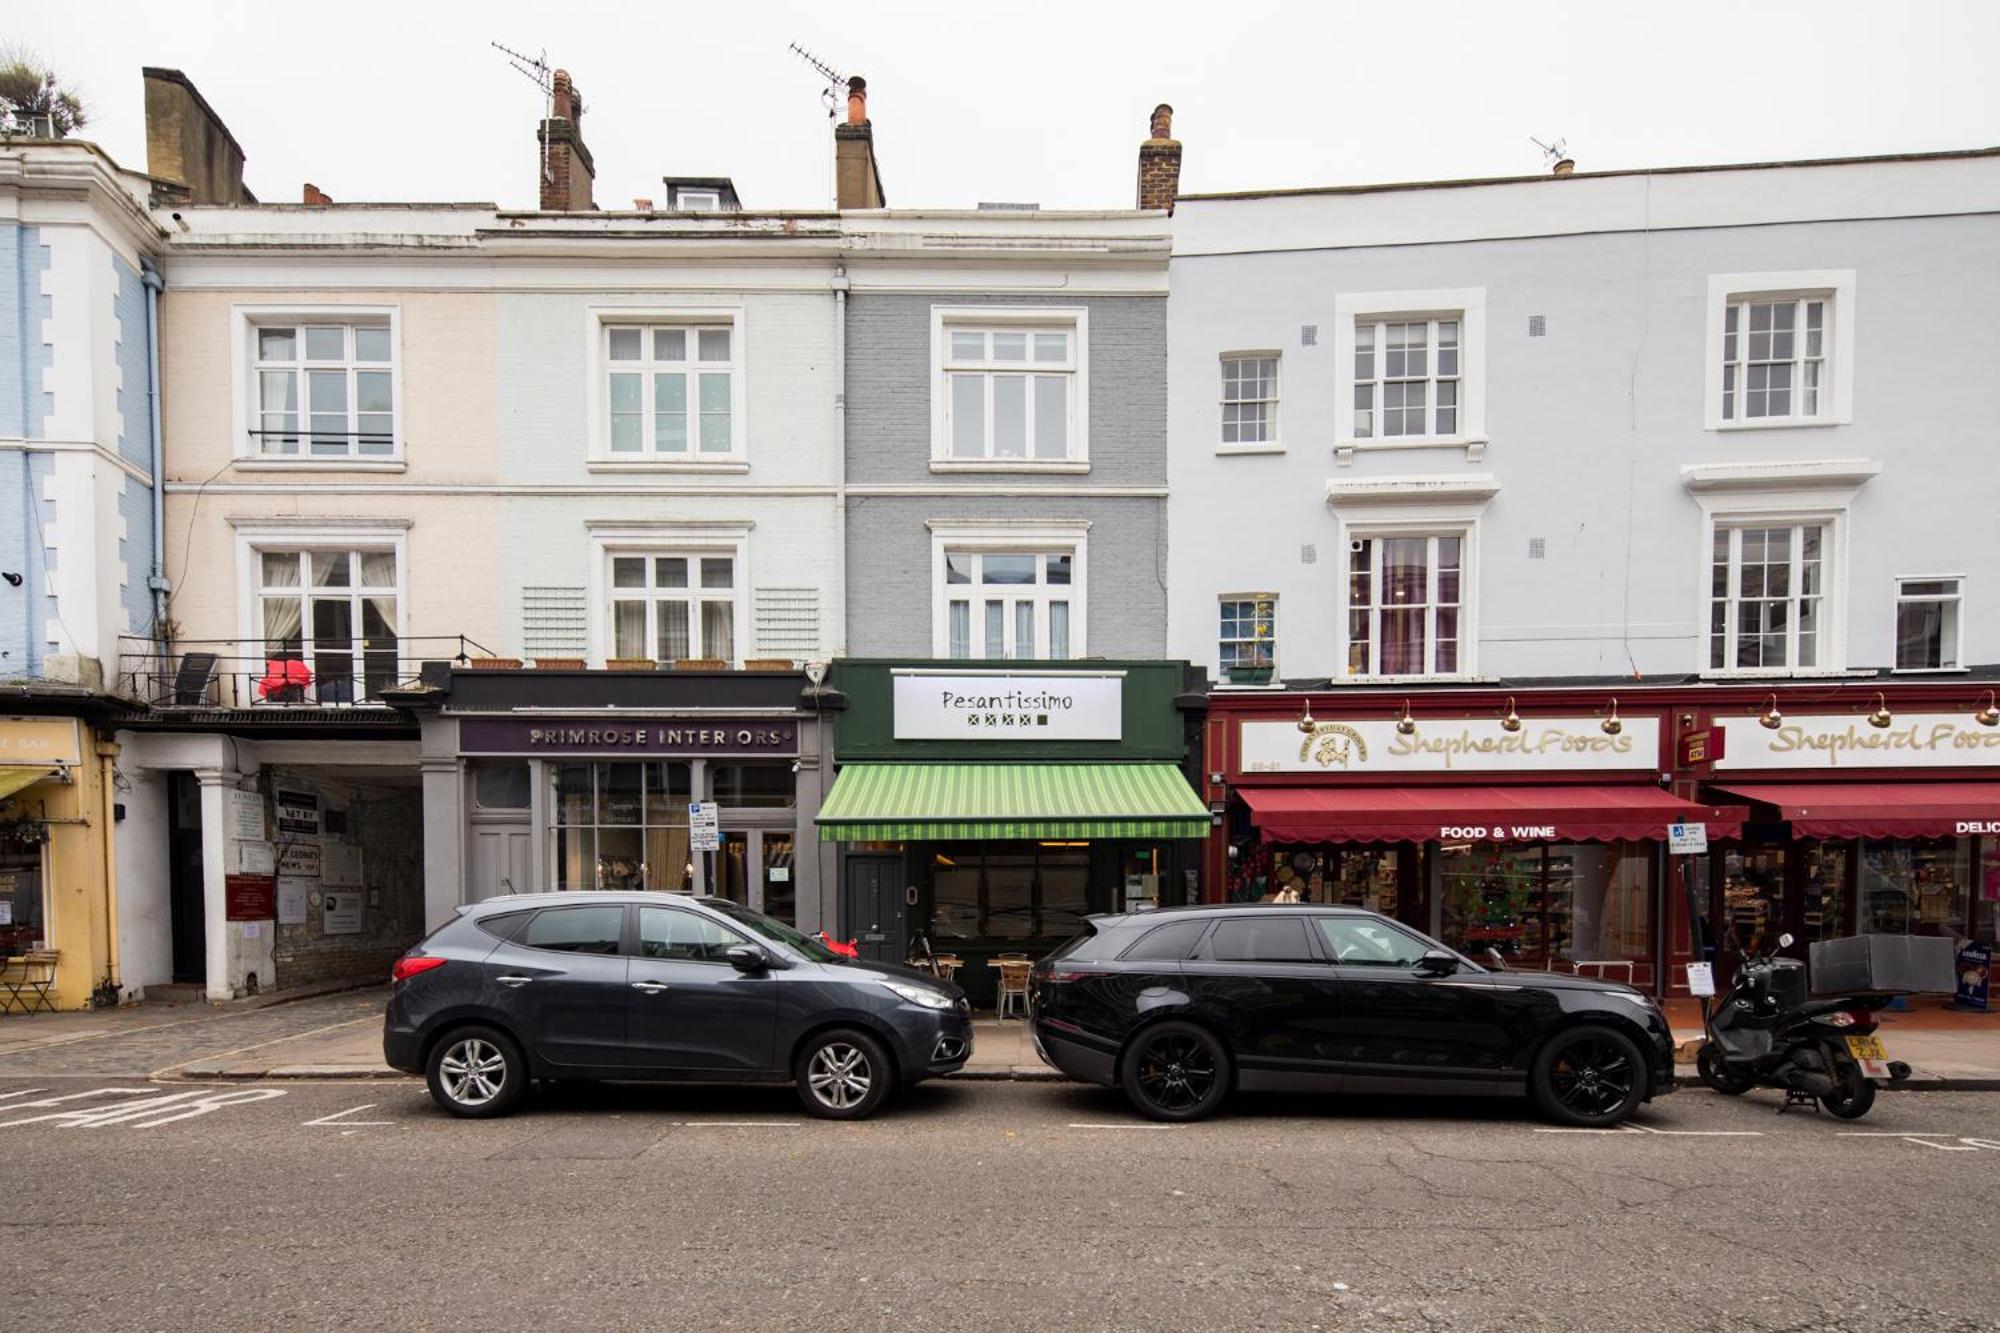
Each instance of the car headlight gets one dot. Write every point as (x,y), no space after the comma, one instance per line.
(922,996)
(1645,1002)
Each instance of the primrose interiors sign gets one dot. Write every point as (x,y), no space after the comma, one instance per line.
(993,706)
(1461,745)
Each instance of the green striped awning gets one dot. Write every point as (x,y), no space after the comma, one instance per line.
(910,802)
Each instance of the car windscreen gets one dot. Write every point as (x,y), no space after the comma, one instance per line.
(791,937)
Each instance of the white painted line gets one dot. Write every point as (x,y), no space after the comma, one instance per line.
(1702,1133)
(335,1118)
(1077,1124)
(212,1103)
(737,1124)
(19,1092)
(1618,1129)
(1890,1134)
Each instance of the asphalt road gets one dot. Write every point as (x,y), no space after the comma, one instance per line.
(137,1205)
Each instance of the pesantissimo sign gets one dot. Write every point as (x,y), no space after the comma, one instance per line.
(1911,740)
(986,705)
(1542,745)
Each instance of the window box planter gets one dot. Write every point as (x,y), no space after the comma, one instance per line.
(701,664)
(767,664)
(559,664)
(1250,675)
(494,664)
(630,664)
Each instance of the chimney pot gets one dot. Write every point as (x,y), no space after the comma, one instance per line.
(1565,167)
(314,195)
(1163,121)
(643,205)
(857,101)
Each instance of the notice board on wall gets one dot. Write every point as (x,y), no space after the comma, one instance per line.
(249,897)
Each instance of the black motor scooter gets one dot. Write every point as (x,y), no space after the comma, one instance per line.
(1766,1033)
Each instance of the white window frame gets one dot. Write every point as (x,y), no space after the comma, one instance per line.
(691,539)
(598,321)
(1074,320)
(1418,506)
(1001,538)
(254,537)
(1222,669)
(1836,288)
(1273,445)
(1465,304)
(684,201)
(246,410)
(1733,598)
(1895,641)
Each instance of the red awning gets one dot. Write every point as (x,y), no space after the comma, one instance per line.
(1879,809)
(1477,814)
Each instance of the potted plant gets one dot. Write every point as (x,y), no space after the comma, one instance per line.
(1250,671)
(559,664)
(769,664)
(493,664)
(701,664)
(629,664)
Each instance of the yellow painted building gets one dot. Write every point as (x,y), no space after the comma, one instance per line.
(58,869)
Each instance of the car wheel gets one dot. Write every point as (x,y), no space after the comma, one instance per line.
(1853,1093)
(843,1075)
(1708,1062)
(1175,1071)
(477,1072)
(1588,1077)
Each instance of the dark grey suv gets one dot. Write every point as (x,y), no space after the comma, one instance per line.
(652,986)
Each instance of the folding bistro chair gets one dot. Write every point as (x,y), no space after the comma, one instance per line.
(27,981)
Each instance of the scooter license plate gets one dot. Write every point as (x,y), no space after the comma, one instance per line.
(1866,1048)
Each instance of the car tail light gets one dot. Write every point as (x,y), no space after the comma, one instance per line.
(1059,973)
(409,965)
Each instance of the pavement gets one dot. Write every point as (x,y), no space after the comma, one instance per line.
(135,1204)
(339,1036)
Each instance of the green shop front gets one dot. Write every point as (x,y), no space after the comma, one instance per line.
(984,811)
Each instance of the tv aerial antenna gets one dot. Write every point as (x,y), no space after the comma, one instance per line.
(836,82)
(536,69)
(1552,153)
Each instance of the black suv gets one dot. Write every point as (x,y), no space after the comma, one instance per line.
(654,986)
(1179,1006)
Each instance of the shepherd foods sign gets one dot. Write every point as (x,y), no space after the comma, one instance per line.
(1061,706)
(1911,740)
(1542,745)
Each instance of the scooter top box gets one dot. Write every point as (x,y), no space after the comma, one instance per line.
(1902,964)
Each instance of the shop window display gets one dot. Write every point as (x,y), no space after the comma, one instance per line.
(1915,886)
(1343,876)
(1753,895)
(1548,904)
(1826,891)
(621,826)
(20,899)
(1015,891)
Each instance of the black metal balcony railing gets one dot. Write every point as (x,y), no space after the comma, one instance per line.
(307,442)
(250,673)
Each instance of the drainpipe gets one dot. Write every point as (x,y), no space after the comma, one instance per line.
(107,810)
(840,442)
(158,582)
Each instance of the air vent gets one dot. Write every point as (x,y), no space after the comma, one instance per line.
(1538,326)
(1308,554)
(1537,547)
(1308,335)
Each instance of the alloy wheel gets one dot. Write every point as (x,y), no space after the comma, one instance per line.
(840,1075)
(1592,1077)
(473,1071)
(1176,1072)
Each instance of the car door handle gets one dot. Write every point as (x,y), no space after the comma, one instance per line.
(512,979)
(650,987)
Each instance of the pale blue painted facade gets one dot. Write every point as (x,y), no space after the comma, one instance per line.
(24,407)
(135,446)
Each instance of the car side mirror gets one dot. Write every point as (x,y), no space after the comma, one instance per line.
(747,958)
(1437,963)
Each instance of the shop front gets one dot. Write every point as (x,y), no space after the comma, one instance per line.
(982,812)
(1528,830)
(58,934)
(1882,818)
(582,780)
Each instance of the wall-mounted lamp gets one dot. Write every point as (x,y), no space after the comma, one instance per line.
(1771,719)
(1881,717)
(815,674)
(1988,716)
(13,579)
(1510,720)
(1406,725)
(1306,721)
(1611,726)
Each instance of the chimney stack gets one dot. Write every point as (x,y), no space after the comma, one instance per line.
(857,180)
(189,151)
(1160,162)
(315,195)
(566,169)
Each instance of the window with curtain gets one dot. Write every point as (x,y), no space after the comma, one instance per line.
(673,607)
(620,825)
(1404,601)
(324,390)
(334,610)
(1001,604)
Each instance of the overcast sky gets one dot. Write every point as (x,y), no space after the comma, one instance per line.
(1030,101)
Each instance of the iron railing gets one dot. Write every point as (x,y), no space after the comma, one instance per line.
(251,673)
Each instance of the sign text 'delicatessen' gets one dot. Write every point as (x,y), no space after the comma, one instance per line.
(1459,745)
(1034,706)
(648,737)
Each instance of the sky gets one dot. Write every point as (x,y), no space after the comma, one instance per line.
(1028,101)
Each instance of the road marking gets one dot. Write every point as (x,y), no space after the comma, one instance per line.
(1663,1133)
(737,1124)
(1922,1138)
(158,1109)
(1078,1124)
(19,1092)
(259,1045)
(335,1118)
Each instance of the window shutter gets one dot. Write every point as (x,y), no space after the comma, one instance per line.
(555,622)
(786,622)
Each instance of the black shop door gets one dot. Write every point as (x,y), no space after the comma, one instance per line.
(186,908)
(872,905)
